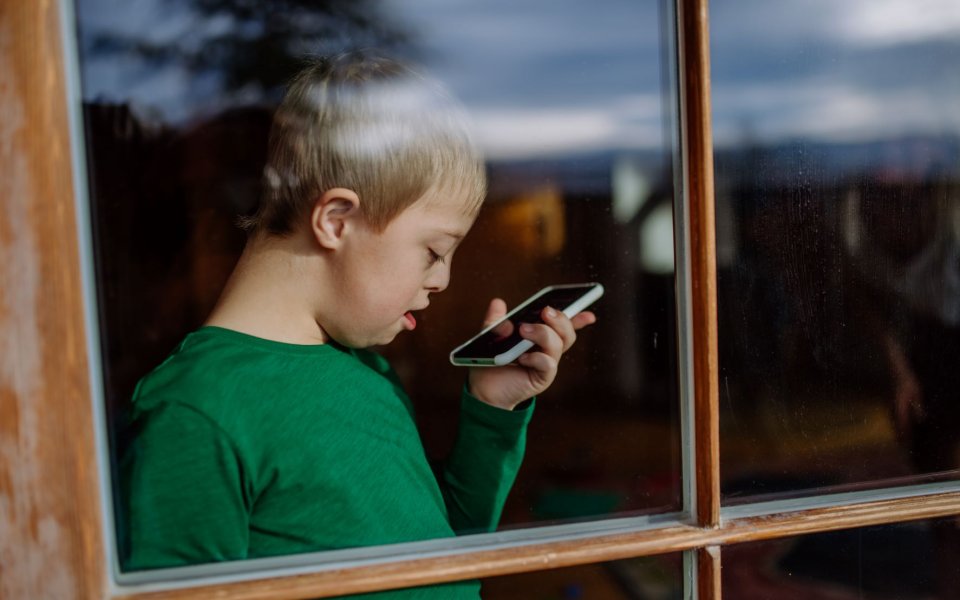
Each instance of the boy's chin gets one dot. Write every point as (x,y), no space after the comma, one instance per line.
(389,338)
(382,340)
(369,339)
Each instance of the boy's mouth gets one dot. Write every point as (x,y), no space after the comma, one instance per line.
(409,321)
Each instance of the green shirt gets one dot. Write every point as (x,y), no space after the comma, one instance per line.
(242,448)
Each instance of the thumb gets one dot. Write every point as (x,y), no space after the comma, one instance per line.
(495,312)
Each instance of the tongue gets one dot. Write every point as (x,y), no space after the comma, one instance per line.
(411,321)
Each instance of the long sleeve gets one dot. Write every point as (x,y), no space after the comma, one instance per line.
(182,492)
(483,464)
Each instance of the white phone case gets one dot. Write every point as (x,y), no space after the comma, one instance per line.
(591,294)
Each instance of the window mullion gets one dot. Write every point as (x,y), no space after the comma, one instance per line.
(696,289)
(698,200)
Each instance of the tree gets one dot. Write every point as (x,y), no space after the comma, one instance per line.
(253,43)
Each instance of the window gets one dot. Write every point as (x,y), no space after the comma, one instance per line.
(818,165)
(904,560)
(837,189)
(577,137)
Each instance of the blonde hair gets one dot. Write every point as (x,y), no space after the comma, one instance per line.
(371,125)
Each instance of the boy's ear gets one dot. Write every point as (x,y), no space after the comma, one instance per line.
(333,213)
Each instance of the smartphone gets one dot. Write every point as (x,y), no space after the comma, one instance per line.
(500,344)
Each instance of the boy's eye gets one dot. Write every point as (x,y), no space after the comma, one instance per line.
(434,257)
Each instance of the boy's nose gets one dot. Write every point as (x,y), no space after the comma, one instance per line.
(439,280)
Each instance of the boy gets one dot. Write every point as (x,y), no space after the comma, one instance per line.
(271,430)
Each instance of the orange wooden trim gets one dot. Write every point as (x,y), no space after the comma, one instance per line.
(601,548)
(817,520)
(52,544)
(475,565)
(694,67)
(708,573)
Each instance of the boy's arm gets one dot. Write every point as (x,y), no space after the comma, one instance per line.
(182,493)
(490,445)
(483,465)
(480,470)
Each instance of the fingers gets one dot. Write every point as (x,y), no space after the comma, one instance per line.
(503,330)
(495,312)
(544,336)
(583,319)
(542,365)
(562,325)
(554,336)
(558,332)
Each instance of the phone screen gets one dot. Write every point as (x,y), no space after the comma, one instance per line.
(506,335)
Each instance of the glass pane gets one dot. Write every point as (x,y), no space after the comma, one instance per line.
(837,152)
(915,561)
(576,131)
(649,578)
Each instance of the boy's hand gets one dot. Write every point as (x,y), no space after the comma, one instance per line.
(505,387)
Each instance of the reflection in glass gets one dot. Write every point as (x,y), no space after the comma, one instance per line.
(178,100)
(838,237)
(647,578)
(917,560)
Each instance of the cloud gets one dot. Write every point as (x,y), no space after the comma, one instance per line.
(543,53)
(623,123)
(881,22)
(853,70)
(149,20)
(545,75)
(550,76)
(836,112)
(888,22)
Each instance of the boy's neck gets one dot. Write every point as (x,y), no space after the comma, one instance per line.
(268,292)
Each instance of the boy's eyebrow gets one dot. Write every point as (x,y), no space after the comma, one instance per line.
(453,234)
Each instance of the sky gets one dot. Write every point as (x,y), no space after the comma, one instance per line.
(553,77)
(835,71)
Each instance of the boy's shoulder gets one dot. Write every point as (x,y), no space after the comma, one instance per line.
(215,370)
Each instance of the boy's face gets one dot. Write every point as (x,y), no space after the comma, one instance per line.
(384,276)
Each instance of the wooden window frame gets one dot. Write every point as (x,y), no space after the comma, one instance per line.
(55,532)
